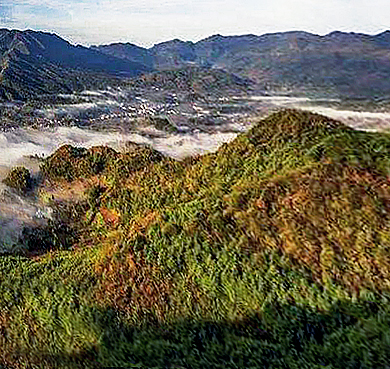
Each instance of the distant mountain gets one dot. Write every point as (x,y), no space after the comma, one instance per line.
(127,51)
(351,64)
(173,54)
(194,82)
(345,64)
(33,63)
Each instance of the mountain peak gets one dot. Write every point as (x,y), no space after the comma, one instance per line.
(383,37)
(174,42)
(387,32)
(340,34)
(217,37)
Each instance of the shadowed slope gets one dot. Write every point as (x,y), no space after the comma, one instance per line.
(38,63)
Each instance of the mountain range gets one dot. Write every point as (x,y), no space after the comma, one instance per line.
(33,63)
(346,64)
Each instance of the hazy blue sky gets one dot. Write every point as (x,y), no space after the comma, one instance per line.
(145,22)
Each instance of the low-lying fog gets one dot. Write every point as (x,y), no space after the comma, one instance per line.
(357,118)
(18,144)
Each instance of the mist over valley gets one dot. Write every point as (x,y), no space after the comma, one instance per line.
(215,204)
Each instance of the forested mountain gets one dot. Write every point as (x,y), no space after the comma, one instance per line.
(346,64)
(271,252)
(35,63)
(352,64)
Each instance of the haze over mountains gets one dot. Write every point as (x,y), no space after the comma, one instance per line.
(344,64)
(350,63)
(41,63)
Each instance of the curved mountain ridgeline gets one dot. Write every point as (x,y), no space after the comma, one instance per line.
(36,63)
(53,49)
(127,51)
(173,54)
(272,251)
(353,64)
(345,64)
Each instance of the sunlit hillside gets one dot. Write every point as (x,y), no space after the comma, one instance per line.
(272,252)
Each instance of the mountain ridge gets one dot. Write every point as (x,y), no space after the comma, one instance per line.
(39,62)
(352,64)
(220,36)
(272,251)
(346,64)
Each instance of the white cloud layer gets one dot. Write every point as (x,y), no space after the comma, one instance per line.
(146,22)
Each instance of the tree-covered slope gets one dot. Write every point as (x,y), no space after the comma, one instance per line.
(127,51)
(272,252)
(193,81)
(345,64)
(36,63)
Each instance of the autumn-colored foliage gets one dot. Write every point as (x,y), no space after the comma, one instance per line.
(271,252)
(20,179)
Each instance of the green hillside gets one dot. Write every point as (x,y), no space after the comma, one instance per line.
(273,252)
